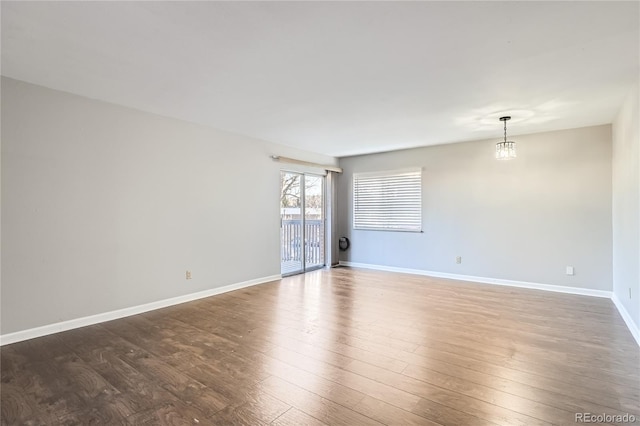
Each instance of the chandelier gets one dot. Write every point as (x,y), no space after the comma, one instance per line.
(505,150)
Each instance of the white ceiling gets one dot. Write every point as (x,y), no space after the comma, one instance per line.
(338,78)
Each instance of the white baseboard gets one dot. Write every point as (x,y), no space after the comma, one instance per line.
(484,280)
(31,333)
(633,327)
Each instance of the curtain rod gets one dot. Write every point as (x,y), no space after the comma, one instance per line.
(306,163)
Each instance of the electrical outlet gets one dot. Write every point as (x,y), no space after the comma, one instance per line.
(570,270)
(188,275)
(458,259)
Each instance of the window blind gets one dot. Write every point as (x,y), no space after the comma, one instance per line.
(390,201)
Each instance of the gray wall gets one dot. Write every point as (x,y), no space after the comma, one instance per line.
(522,220)
(626,206)
(105,207)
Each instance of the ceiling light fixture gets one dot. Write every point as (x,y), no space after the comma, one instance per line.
(505,150)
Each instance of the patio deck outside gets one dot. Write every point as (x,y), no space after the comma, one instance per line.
(291,244)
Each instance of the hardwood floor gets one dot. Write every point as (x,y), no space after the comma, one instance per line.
(335,347)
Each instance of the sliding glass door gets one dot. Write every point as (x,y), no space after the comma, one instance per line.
(302,222)
(291,223)
(314,221)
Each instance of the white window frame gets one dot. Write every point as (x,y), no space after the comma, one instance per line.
(388,200)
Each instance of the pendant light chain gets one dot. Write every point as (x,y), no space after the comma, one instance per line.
(505,131)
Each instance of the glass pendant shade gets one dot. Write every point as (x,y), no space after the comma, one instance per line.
(505,150)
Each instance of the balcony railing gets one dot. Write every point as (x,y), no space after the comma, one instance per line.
(292,239)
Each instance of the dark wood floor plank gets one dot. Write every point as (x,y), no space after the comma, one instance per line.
(362,384)
(390,415)
(17,406)
(255,407)
(566,400)
(295,417)
(432,386)
(174,413)
(524,342)
(335,347)
(183,387)
(234,416)
(587,388)
(330,390)
(313,404)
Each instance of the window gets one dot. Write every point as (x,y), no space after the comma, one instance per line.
(388,201)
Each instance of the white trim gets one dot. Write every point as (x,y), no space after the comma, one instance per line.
(31,333)
(484,280)
(633,328)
